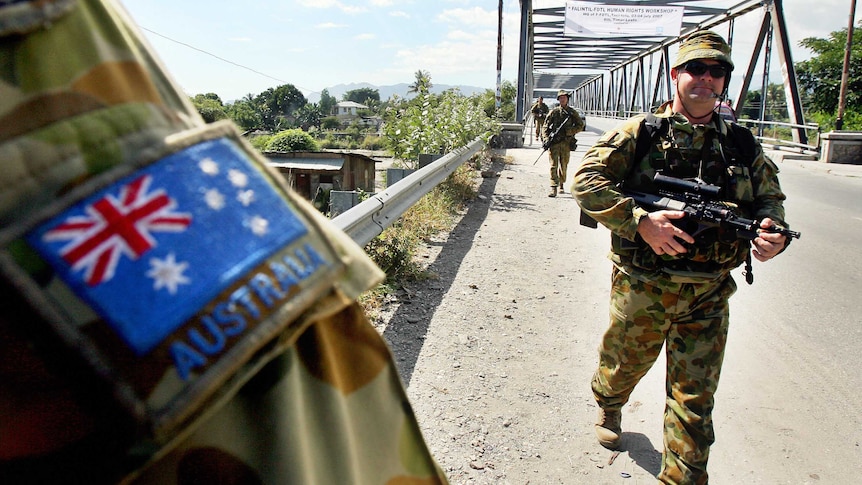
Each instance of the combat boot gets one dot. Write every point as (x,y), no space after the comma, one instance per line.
(553,192)
(608,428)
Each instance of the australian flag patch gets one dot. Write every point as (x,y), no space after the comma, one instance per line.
(150,251)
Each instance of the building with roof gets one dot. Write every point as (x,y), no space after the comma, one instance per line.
(306,172)
(348,108)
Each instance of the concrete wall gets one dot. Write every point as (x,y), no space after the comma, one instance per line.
(841,147)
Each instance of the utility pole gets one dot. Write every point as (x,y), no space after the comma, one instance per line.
(499,99)
(845,73)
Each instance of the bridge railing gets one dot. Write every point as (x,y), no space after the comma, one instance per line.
(769,133)
(370,217)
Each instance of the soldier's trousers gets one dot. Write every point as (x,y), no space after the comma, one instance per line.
(559,154)
(692,320)
(539,123)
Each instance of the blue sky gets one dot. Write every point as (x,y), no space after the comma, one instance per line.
(314,44)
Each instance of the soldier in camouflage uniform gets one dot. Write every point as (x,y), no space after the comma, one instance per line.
(565,122)
(667,289)
(170,311)
(540,111)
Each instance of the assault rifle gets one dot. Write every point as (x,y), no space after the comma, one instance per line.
(551,139)
(703,208)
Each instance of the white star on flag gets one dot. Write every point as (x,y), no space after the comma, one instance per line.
(237,178)
(245,197)
(208,166)
(167,273)
(214,199)
(259,226)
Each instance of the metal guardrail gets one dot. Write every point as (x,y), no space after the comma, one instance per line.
(368,219)
(781,143)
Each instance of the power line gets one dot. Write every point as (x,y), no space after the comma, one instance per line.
(220,58)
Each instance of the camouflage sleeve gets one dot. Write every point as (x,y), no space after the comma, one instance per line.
(769,199)
(606,164)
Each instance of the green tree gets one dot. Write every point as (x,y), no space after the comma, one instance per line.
(820,76)
(327,103)
(210,107)
(363,95)
(508,93)
(245,114)
(291,141)
(776,104)
(309,115)
(278,105)
(422,85)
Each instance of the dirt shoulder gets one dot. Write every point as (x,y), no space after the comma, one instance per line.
(497,350)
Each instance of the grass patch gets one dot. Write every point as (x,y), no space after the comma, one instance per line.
(394,250)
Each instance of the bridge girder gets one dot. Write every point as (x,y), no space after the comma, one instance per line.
(629,74)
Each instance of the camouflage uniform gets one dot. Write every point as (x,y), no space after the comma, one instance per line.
(559,151)
(171,311)
(679,301)
(540,111)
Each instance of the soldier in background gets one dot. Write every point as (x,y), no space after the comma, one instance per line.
(540,111)
(667,289)
(558,134)
(170,311)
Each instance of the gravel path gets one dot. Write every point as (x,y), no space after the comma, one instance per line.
(498,350)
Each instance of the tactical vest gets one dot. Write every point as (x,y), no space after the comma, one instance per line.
(683,151)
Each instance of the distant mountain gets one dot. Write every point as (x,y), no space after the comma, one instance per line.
(386,92)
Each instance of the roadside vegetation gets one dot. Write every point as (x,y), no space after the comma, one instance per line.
(819,81)
(282,119)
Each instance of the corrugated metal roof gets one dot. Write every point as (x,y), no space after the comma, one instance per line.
(322,164)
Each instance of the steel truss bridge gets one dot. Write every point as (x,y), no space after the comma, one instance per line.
(617,76)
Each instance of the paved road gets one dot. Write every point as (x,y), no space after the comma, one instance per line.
(490,368)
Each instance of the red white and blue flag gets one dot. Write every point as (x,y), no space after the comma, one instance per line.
(153,249)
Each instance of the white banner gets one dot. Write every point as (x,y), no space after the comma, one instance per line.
(587,19)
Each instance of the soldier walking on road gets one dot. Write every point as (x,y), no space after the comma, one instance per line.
(540,111)
(562,123)
(667,288)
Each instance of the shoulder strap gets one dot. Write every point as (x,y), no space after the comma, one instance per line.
(651,127)
(745,143)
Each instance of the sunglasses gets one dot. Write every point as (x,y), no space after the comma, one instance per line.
(696,68)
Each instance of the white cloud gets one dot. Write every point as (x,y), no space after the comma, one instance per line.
(399,13)
(382,3)
(365,37)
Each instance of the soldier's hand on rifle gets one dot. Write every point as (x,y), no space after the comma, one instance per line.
(767,244)
(657,230)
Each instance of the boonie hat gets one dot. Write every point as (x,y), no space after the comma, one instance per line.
(562,92)
(703,44)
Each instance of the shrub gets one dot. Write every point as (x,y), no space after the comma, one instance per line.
(432,123)
(260,141)
(330,123)
(291,141)
(372,142)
